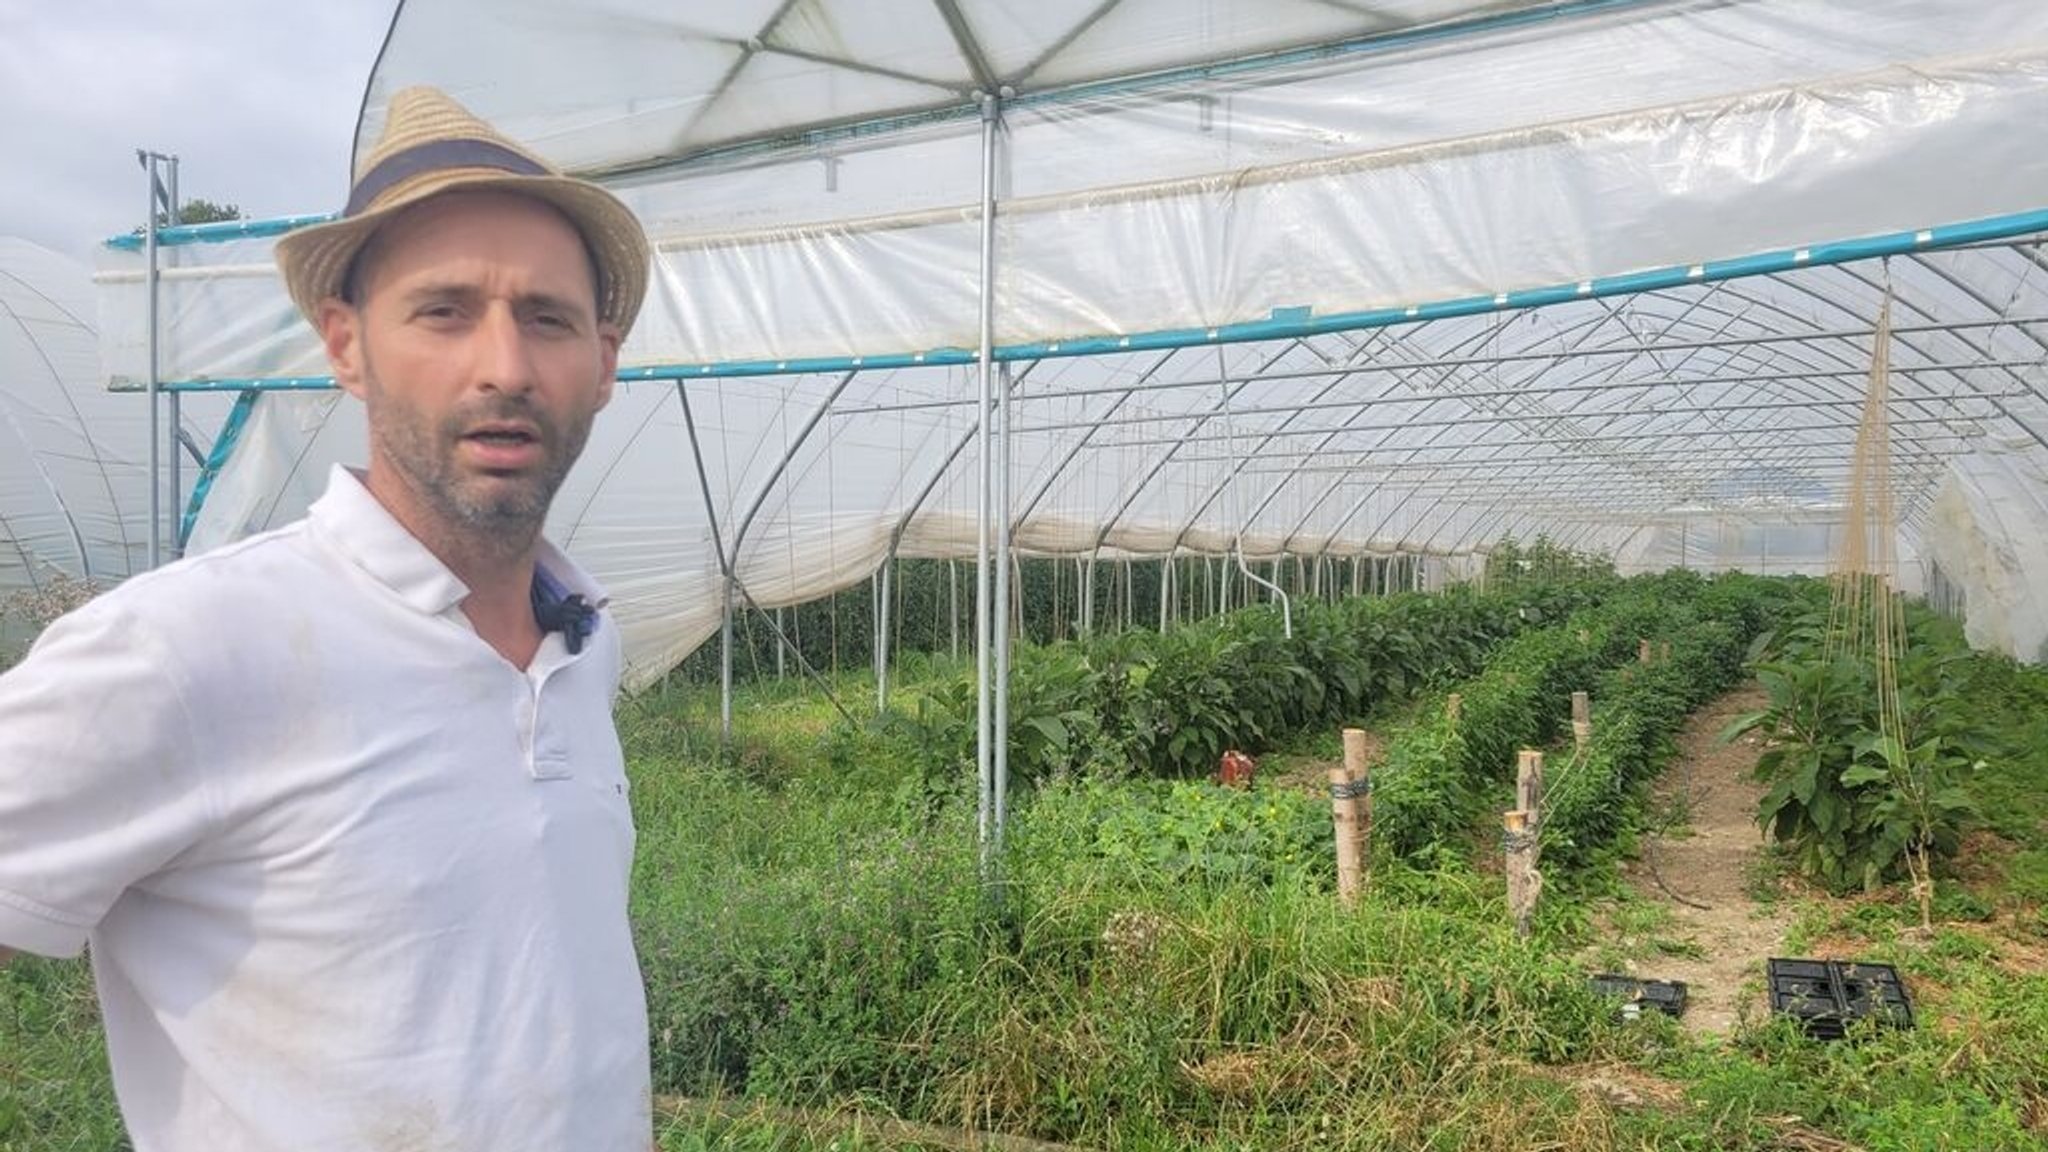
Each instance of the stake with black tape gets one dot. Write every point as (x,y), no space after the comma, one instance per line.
(1351,809)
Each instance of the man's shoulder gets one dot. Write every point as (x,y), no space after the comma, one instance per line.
(229,578)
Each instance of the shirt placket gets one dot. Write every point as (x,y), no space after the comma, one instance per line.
(545,740)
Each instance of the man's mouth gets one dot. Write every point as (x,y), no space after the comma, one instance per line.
(503,447)
(502,435)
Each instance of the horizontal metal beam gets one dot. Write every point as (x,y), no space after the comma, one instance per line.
(1895,400)
(1648,434)
(1402,368)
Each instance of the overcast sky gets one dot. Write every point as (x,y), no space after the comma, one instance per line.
(257,98)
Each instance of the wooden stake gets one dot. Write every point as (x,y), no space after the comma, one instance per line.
(1529,786)
(1346,818)
(1643,654)
(1582,720)
(1518,843)
(1454,706)
(1361,803)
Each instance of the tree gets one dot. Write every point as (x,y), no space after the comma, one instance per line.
(199,210)
(202,211)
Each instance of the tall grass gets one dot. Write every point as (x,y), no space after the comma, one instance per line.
(816,934)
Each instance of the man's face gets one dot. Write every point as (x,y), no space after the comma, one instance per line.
(475,345)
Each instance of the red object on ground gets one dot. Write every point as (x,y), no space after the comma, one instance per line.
(1236,769)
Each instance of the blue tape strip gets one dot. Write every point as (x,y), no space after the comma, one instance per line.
(223,447)
(218,232)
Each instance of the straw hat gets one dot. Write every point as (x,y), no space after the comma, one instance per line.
(433,145)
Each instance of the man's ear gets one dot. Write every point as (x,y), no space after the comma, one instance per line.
(341,334)
(608,357)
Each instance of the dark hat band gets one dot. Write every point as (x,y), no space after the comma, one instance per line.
(434,156)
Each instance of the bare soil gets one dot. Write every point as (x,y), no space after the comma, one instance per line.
(1701,869)
(1312,775)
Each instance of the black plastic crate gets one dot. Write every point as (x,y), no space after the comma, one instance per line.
(1827,996)
(1666,996)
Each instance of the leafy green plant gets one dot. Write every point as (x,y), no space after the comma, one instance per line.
(1855,805)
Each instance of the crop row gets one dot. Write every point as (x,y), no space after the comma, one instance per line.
(1170,703)
(1441,771)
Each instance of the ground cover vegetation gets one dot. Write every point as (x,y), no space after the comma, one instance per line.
(1159,961)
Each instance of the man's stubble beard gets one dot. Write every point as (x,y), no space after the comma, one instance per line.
(488,514)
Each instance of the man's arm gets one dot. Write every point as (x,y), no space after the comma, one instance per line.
(100,778)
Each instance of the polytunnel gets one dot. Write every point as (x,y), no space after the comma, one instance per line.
(1309,278)
(74,477)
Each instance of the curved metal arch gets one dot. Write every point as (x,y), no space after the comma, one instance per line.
(1053,475)
(1200,418)
(1478,334)
(1264,438)
(1395,380)
(84,430)
(746,522)
(1830,397)
(946,466)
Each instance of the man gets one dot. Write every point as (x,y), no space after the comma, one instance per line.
(341,808)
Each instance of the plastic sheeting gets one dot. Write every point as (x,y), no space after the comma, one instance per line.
(1990,542)
(1296,240)
(1494,159)
(74,478)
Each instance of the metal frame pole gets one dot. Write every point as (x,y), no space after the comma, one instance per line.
(985,359)
(725,564)
(882,635)
(1004,561)
(177,483)
(156,495)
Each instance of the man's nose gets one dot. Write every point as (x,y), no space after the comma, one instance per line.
(504,363)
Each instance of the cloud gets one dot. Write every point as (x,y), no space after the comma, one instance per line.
(257,98)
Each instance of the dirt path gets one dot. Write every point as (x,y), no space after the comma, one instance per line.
(1705,859)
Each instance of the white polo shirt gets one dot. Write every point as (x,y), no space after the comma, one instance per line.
(352,881)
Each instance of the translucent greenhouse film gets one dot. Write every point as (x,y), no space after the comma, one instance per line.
(74,476)
(1283,277)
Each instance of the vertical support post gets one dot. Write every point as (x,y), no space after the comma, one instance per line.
(1357,798)
(1529,786)
(725,662)
(1454,706)
(1087,570)
(1643,652)
(1165,586)
(174,408)
(780,655)
(1582,720)
(1518,845)
(1345,819)
(726,560)
(953,603)
(882,634)
(1003,554)
(984,741)
(156,494)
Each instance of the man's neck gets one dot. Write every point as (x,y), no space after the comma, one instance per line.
(500,601)
(496,568)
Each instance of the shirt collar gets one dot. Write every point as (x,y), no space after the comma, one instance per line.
(348,517)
